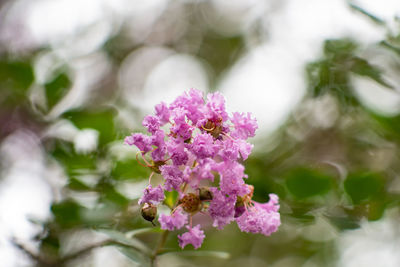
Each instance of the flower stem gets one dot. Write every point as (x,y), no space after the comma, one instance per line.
(159,247)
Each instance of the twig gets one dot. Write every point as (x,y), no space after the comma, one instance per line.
(159,247)
(61,261)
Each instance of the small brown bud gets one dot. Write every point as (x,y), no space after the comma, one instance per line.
(156,166)
(149,212)
(239,202)
(239,207)
(205,194)
(191,203)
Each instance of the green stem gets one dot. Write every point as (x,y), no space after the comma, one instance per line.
(159,247)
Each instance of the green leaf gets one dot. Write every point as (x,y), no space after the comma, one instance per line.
(364,186)
(374,18)
(135,256)
(302,218)
(376,209)
(390,46)
(202,253)
(362,67)
(390,124)
(344,223)
(131,242)
(73,162)
(129,169)
(304,183)
(109,193)
(101,120)
(16,75)
(339,48)
(50,244)
(228,50)
(132,233)
(56,88)
(67,213)
(170,198)
(77,185)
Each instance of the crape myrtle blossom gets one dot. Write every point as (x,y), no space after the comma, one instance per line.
(192,142)
(194,236)
(174,221)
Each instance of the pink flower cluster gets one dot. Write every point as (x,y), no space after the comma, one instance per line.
(192,142)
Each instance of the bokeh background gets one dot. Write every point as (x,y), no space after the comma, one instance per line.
(321,77)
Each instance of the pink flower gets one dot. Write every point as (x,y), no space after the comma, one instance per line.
(162,113)
(174,221)
(202,143)
(222,208)
(176,149)
(173,177)
(203,146)
(245,125)
(152,123)
(244,148)
(181,128)
(216,107)
(143,142)
(194,236)
(261,218)
(231,178)
(152,195)
(158,141)
(192,102)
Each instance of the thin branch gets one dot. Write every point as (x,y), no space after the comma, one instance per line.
(61,261)
(159,247)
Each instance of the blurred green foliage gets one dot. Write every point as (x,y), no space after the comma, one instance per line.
(319,173)
(56,88)
(364,187)
(304,183)
(332,73)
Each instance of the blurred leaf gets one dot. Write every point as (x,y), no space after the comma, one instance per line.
(220,51)
(374,18)
(302,218)
(387,44)
(304,183)
(77,185)
(344,223)
(108,192)
(131,242)
(135,256)
(101,215)
(390,124)
(129,169)
(363,68)
(67,213)
(331,74)
(100,120)
(50,244)
(364,186)
(376,210)
(339,49)
(327,76)
(56,88)
(170,198)
(16,75)
(73,162)
(142,231)
(202,253)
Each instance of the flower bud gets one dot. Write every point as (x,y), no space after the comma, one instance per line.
(239,207)
(191,203)
(205,194)
(156,166)
(149,212)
